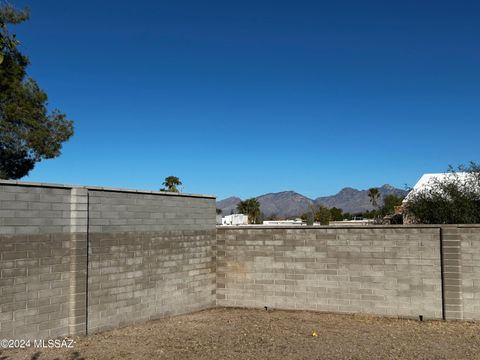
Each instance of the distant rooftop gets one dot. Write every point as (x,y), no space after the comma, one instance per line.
(427,180)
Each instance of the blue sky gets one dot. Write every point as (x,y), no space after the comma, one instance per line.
(247,97)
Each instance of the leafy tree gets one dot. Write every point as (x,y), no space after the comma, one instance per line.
(308,217)
(336,214)
(275,217)
(370,214)
(322,215)
(171,184)
(251,208)
(8,14)
(389,204)
(219,211)
(454,199)
(28,132)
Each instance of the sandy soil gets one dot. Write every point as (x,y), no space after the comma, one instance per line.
(259,334)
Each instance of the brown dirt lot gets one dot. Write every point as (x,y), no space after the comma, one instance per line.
(259,334)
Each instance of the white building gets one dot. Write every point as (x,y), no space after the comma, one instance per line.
(296,222)
(426,182)
(363,222)
(235,219)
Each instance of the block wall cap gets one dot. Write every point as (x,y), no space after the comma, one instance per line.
(101,188)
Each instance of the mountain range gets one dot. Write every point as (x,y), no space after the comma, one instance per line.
(289,204)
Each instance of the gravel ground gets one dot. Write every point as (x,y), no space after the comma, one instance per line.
(274,334)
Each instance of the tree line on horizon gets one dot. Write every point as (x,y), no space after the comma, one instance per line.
(320,213)
(323,215)
(454,199)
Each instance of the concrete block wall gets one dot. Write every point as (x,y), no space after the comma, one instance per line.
(149,257)
(35,243)
(377,270)
(467,272)
(81,259)
(451,271)
(116,212)
(84,259)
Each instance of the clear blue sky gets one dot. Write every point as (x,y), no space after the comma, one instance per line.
(247,97)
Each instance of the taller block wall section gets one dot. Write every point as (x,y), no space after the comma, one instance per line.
(76,260)
(35,263)
(465,272)
(150,256)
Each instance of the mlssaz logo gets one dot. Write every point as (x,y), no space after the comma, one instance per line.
(54,343)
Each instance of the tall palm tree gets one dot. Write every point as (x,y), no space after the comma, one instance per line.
(251,208)
(171,184)
(374,196)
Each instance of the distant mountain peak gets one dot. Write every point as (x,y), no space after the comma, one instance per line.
(347,190)
(387,187)
(228,205)
(287,192)
(290,204)
(232,198)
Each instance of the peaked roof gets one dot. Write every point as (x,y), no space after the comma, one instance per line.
(427,180)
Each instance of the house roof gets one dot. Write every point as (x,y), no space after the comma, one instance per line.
(427,180)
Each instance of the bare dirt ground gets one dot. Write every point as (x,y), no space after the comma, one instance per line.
(259,334)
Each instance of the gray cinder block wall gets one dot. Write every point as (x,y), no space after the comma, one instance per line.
(138,255)
(385,271)
(433,271)
(150,256)
(77,260)
(463,277)
(35,266)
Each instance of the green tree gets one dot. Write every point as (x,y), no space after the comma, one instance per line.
(28,132)
(370,214)
(308,217)
(275,217)
(454,199)
(8,14)
(389,204)
(171,184)
(219,211)
(322,215)
(336,214)
(251,208)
